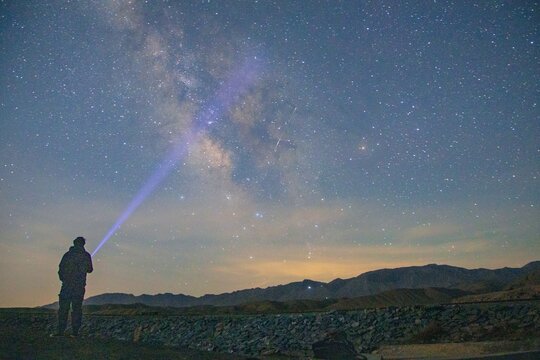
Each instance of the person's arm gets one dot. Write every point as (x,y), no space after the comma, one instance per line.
(90,268)
(61,267)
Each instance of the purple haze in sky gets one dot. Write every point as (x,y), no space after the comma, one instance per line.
(228,93)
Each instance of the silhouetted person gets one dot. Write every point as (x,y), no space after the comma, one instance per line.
(75,264)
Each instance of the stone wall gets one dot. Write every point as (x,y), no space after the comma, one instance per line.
(294,334)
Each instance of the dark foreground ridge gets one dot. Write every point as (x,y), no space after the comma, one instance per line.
(294,335)
(25,339)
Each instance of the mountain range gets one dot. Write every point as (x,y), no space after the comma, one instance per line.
(472,281)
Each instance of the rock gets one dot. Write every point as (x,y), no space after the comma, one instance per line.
(335,346)
(268,352)
(137,334)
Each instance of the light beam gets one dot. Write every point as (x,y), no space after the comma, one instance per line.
(229,92)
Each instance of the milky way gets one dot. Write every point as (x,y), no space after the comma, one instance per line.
(380,134)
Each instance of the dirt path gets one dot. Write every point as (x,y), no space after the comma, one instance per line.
(457,350)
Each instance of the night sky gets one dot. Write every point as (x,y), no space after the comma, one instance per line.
(371,135)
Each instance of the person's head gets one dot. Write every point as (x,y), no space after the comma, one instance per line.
(79,241)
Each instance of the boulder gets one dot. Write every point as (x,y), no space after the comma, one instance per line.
(335,346)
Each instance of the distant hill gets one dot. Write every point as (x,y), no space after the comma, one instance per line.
(165,300)
(370,283)
(525,287)
(529,292)
(398,297)
(530,279)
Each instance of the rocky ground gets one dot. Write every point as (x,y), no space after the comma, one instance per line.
(27,342)
(294,334)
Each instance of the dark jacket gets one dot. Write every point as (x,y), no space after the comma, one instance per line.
(75,264)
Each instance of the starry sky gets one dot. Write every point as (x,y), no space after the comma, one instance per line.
(373,134)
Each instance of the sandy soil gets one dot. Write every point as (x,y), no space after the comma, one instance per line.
(456,350)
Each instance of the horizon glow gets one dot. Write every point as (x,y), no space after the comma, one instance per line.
(229,92)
